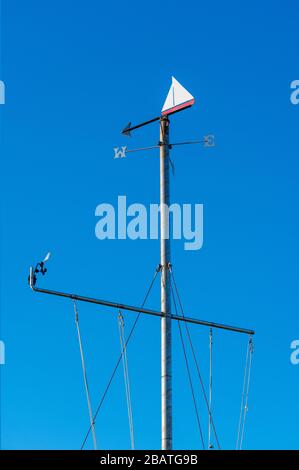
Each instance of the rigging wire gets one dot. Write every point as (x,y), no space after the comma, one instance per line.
(158,269)
(121,327)
(242,399)
(245,394)
(210,445)
(92,423)
(247,390)
(195,359)
(188,371)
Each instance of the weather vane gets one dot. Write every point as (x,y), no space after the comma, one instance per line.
(178,98)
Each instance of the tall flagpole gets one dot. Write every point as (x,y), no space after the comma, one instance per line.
(178,99)
(166,372)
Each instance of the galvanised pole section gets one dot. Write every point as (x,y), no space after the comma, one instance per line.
(177,100)
(166,366)
(147,311)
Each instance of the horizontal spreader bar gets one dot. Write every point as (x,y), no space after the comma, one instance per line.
(131,308)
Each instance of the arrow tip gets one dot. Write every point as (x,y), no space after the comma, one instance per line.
(127,130)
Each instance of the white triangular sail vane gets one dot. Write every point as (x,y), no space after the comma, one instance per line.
(178,98)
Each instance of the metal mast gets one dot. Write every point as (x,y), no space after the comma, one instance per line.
(166,373)
(178,99)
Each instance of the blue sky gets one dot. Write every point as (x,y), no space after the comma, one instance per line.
(75,74)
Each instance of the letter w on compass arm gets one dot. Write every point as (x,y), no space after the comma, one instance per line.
(120,152)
